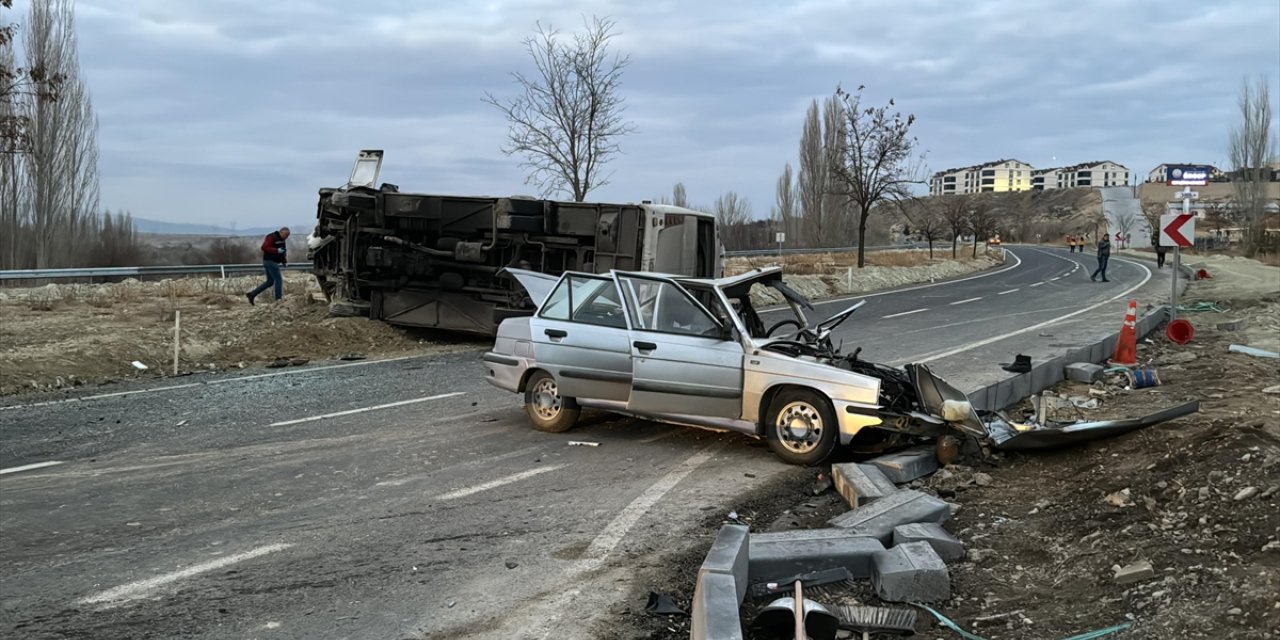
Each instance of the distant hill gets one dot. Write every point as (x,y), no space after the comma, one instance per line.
(159,227)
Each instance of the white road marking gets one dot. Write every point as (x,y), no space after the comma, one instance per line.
(192,385)
(137,589)
(494,484)
(1055,278)
(966,301)
(489,459)
(1015,265)
(904,313)
(1037,284)
(1009,291)
(28,467)
(364,409)
(1034,327)
(631,514)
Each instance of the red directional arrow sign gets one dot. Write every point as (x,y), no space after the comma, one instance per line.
(1177,229)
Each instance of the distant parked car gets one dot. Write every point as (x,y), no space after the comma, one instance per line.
(696,352)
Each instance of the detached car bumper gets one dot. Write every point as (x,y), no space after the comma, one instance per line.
(505,371)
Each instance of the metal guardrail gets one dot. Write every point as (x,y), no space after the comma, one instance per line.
(774,252)
(222,270)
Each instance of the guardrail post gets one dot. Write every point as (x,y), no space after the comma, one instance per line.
(177,327)
(223,267)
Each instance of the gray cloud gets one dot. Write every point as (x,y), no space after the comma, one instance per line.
(239,110)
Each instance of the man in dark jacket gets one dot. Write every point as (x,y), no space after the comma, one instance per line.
(273,257)
(1104,254)
(1160,249)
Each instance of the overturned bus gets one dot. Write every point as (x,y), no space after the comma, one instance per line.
(436,260)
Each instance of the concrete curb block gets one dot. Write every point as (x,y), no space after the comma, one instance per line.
(1052,371)
(721,585)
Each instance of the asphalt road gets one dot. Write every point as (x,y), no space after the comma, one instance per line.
(407,498)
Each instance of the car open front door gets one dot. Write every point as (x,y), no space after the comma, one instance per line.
(580,337)
(683,362)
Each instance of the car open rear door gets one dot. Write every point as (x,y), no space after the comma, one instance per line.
(683,361)
(580,337)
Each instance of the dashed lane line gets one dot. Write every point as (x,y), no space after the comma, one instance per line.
(135,590)
(29,467)
(966,301)
(904,313)
(348,412)
(1009,291)
(494,484)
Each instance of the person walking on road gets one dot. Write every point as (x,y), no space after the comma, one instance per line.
(1160,250)
(273,257)
(1104,254)
(1071,244)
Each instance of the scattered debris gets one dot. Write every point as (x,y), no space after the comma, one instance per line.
(583,443)
(1250,351)
(138,365)
(1020,364)
(1136,572)
(352,356)
(661,604)
(1245,494)
(181,423)
(512,565)
(1119,499)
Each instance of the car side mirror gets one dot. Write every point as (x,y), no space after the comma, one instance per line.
(726,332)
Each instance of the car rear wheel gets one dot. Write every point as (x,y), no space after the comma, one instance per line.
(547,409)
(801,427)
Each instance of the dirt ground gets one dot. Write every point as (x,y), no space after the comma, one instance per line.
(1197,497)
(64,336)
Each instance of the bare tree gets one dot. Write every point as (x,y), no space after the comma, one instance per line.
(954,211)
(835,204)
(1251,146)
(733,212)
(811,181)
(678,196)
(37,81)
(981,220)
(1220,214)
(567,121)
(925,218)
(786,204)
(875,163)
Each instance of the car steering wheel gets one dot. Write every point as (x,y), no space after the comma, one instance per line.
(780,324)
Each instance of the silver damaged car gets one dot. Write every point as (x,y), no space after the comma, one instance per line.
(696,352)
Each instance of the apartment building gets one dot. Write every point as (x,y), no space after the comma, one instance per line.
(1099,173)
(1000,175)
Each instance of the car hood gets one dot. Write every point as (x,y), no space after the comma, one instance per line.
(538,285)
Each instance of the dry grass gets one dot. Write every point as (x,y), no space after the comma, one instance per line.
(802,264)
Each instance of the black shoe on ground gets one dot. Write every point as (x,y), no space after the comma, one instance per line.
(250,297)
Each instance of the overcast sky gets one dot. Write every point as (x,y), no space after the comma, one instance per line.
(224,111)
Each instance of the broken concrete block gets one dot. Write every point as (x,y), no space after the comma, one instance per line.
(788,553)
(904,506)
(904,466)
(715,608)
(728,555)
(911,572)
(946,545)
(860,484)
(1136,572)
(1086,372)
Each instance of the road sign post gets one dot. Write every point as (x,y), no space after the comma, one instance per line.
(780,237)
(1178,230)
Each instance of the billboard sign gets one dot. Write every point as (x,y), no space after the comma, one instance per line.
(1187,175)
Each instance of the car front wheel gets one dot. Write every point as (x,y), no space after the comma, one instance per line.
(801,427)
(547,409)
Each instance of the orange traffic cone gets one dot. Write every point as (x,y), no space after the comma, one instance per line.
(1126,354)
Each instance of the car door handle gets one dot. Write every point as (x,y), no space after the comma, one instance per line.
(556,333)
(644,346)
